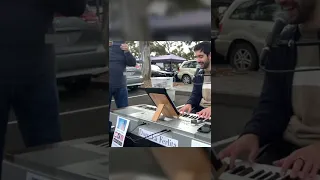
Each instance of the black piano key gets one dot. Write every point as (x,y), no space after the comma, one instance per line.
(265,176)
(257,174)
(237,169)
(246,171)
(275,176)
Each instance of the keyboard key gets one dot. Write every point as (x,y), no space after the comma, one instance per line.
(237,169)
(275,176)
(263,177)
(257,174)
(246,171)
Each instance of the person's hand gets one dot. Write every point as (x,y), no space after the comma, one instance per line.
(248,144)
(305,162)
(124,47)
(186,108)
(205,113)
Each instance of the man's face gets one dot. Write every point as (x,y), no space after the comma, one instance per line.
(202,59)
(299,11)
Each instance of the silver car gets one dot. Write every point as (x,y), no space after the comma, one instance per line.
(134,77)
(79,50)
(243,30)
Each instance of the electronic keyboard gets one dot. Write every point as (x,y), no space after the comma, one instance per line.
(244,171)
(188,117)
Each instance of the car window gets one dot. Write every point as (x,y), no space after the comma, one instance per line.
(193,64)
(186,65)
(265,11)
(244,11)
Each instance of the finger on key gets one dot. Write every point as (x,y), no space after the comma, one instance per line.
(287,163)
(306,170)
(297,166)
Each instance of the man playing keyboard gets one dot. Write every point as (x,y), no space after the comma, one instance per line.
(200,99)
(287,118)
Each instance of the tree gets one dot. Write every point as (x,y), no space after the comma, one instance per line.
(159,48)
(144,47)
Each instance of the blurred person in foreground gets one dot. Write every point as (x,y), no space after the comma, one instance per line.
(27,71)
(200,99)
(287,118)
(119,58)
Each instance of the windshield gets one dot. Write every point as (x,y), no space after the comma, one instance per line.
(155,68)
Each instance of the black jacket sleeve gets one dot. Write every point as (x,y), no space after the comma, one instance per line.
(69,7)
(196,94)
(130,60)
(274,110)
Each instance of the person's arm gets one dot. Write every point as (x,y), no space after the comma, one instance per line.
(196,94)
(69,7)
(130,59)
(273,113)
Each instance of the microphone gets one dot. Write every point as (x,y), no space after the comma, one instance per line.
(279,24)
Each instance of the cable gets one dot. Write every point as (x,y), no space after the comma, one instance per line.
(159,134)
(137,127)
(292,44)
(152,135)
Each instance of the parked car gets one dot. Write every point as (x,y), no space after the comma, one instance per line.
(156,71)
(187,70)
(242,32)
(80,54)
(134,77)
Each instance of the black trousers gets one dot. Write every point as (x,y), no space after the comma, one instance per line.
(276,151)
(36,109)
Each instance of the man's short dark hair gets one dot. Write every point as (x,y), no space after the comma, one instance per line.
(204,47)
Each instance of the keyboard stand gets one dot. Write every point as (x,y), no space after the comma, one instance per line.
(164,107)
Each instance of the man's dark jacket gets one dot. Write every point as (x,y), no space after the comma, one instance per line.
(24,56)
(274,110)
(196,94)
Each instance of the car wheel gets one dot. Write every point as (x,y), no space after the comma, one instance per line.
(186,79)
(243,57)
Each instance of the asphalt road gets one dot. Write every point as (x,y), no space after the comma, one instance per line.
(82,114)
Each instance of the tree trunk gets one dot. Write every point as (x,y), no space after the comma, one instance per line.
(144,47)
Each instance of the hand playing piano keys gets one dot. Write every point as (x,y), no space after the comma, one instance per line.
(304,162)
(205,113)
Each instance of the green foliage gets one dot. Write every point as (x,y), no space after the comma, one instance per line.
(158,48)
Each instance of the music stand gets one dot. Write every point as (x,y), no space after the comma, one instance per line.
(164,104)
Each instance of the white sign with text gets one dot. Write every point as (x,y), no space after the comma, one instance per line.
(120,132)
(157,138)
